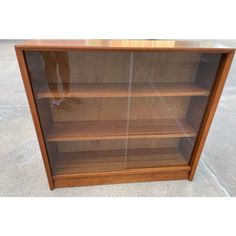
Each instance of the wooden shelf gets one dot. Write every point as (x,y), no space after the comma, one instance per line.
(116,129)
(94,90)
(116,160)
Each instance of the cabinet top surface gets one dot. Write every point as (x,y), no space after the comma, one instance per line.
(123,45)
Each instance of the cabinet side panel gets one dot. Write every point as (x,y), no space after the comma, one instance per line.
(221,75)
(34,112)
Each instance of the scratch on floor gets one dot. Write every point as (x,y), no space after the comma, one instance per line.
(217,180)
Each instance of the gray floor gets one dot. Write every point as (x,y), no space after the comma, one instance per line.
(21,167)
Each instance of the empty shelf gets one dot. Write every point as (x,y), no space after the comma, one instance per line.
(94,90)
(115,160)
(117,129)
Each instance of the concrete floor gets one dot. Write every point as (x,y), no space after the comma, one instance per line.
(21,167)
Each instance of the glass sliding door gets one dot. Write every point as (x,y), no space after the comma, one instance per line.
(118,110)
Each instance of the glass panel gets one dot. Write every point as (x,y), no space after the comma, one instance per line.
(109,111)
(174,89)
(82,100)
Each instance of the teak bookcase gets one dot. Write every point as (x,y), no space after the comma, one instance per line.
(116,111)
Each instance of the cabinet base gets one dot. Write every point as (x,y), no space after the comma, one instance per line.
(176,173)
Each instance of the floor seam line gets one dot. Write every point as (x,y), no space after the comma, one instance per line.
(14,106)
(214,176)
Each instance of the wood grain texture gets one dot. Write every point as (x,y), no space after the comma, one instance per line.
(117,129)
(127,176)
(161,45)
(96,90)
(114,160)
(99,145)
(165,67)
(79,109)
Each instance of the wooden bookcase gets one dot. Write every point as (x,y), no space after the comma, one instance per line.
(116,111)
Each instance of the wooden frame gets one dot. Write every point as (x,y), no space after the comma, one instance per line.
(140,174)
